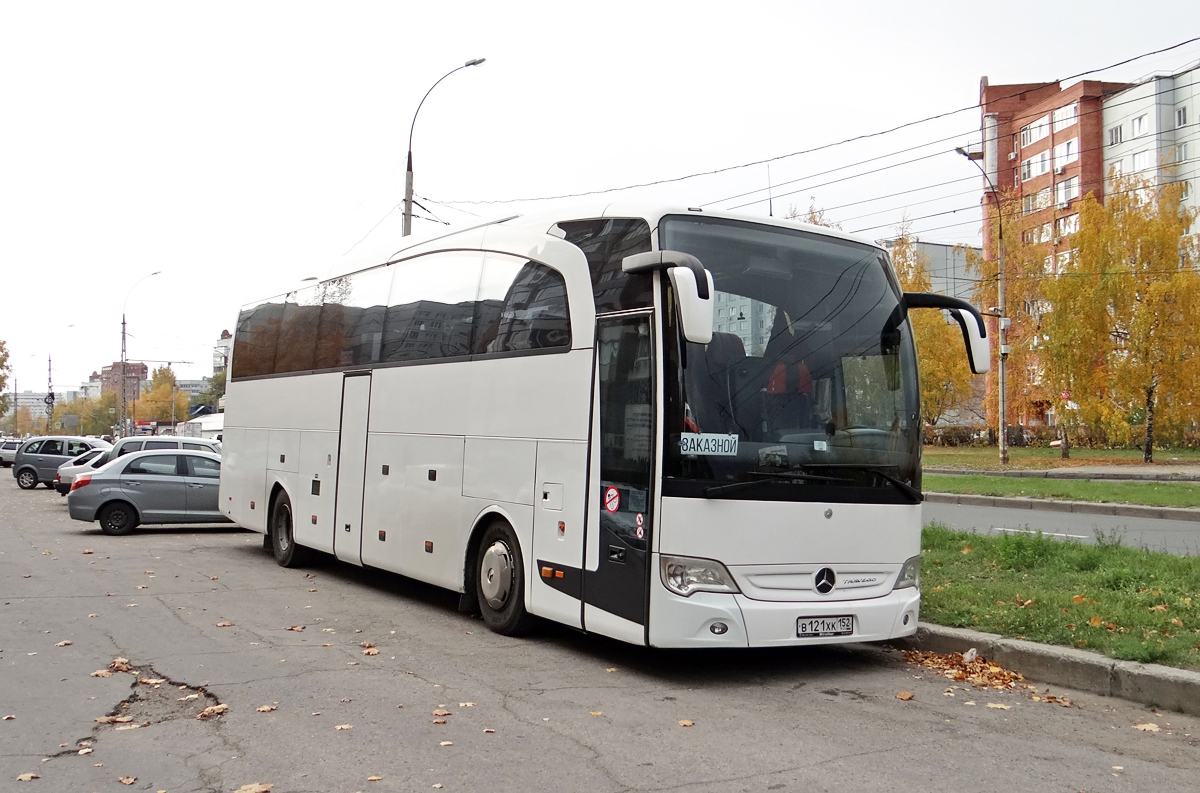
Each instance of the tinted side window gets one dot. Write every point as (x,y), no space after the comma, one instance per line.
(532,312)
(196,447)
(256,337)
(297,341)
(432,307)
(77,447)
(351,327)
(33,447)
(53,447)
(161,464)
(605,243)
(202,466)
(133,446)
(151,445)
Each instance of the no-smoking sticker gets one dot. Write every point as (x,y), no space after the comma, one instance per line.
(612,499)
(640,521)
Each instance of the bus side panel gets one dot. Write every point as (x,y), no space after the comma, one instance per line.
(500,469)
(244,477)
(411,514)
(316,486)
(558,515)
(283,450)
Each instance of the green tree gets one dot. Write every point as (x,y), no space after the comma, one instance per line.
(946,380)
(1125,329)
(211,395)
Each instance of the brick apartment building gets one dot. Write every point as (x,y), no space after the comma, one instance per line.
(135,375)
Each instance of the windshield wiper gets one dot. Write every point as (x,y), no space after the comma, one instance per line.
(904,487)
(769,476)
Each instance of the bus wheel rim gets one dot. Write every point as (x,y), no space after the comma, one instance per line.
(496,574)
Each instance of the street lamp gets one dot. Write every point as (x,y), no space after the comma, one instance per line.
(1001,321)
(124,361)
(408,176)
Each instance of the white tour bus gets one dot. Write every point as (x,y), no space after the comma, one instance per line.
(671,427)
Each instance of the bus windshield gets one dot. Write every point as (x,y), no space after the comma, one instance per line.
(808,390)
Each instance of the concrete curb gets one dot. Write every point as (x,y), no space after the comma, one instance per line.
(1060,505)
(1150,684)
(1067,473)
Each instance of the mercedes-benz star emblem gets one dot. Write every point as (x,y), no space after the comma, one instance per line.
(824,580)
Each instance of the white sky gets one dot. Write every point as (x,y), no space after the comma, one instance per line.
(240,147)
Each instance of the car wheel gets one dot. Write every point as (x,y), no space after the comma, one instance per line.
(500,581)
(117,518)
(27,480)
(283,543)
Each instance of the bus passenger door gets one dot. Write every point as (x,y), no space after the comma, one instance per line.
(624,444)
(352,461)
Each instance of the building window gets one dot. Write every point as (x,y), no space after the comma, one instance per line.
(1139,126)
(1181,117)
(1065,190)
(1067,225)
(1035,131)
(1115,135)
(1066,153)
(1062,260)
(1036,165)
(1141,160)
(1036,201)
(1047,232)
(1066,116)
(1181,152)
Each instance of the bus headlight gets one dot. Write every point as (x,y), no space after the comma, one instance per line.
(684,575)
(910,574)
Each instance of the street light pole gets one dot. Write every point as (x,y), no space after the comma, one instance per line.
(1002,320)
(124,359)
(408,174)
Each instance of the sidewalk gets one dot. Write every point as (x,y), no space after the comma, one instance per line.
(1060,505)
(1156,473)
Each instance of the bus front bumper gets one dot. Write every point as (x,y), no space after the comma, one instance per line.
(688,622)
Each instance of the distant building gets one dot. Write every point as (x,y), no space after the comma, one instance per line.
(948,272)
(221,352)
(135,375)
(34,400)
(93,388)
(193,387)
(1150,130)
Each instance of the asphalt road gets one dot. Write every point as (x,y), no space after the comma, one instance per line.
(1172,536)
(569,712)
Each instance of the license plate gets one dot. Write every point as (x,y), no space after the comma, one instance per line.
(824,626)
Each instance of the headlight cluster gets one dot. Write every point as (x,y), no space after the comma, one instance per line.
(684,575)
(910,574)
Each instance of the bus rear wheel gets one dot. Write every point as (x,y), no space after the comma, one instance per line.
(500,581)
(283,543)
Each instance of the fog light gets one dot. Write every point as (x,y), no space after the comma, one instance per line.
(905,619)
(718,628)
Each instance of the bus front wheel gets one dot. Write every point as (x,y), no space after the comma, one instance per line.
(500,581)
(283,543)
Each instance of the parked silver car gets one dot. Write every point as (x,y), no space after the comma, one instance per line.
(8,450)
(149,487)
(38,459)
(88,461)
(145,443)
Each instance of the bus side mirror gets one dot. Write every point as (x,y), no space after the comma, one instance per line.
(691,283)
(968,318)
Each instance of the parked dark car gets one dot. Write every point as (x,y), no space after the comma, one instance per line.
(149,487)
(38,459)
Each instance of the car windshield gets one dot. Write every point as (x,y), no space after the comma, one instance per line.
(808,390)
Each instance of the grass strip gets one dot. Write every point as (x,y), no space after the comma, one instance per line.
(1128,604)
(986,458)
(1156,494)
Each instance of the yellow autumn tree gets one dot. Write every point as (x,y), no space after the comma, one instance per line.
(946,380)
(1125,330)
(155,403)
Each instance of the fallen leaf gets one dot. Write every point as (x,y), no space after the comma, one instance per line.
(466,704)
(265,708)
(969,702)
(370,651)
(312,590)
(1159,607)
(598,713)
(1178,623)
(446,743)
(1095,622)
(119,665)
(437,786)
(1077,599)
(86,750)
(188,697)
(1148,727)
(686,723)
(212,578)
(343,727)
(374,779)
(442,712)
(905,695)
(344,699)
(352,663)
(224,624)
(296,628)
(365,645)
(30,777)
(489,730)
(93,615)
(101,673)
(439,721)
(127,780)
(151,681)
(8,718)
(87,551)
(113,719)
(257,787)
(611,669)
(142,586)
(998,706)
(131,726)
(212,710)
(967,549)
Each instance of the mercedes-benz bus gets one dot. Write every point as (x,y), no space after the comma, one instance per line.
(673,427)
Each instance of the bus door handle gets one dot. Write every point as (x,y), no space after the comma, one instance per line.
(616,554)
